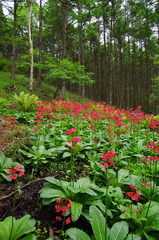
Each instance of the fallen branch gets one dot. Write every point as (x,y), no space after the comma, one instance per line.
(9,195)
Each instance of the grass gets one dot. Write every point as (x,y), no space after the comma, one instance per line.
(45,92)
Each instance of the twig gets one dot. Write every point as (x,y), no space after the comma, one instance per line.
(9,195)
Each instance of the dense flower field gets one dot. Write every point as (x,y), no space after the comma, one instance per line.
(109,159)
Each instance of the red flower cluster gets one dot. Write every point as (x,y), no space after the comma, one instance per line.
(149,159)
(15,172)
(108,155)
(75,140)
(154,146)
(154,123)
(71,131)
(146,185)
(62,206)
(107,164)
(8,122)
(135,195)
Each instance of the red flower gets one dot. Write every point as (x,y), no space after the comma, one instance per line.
(130,194)
(108,155)
(17,168)
(147,185)
(105,164)
(10,171)
(58,218)
(68,220)
(136,196)
(71,131)
(21,174)
(138,211)
(75,140)
(13,177)
(133,186)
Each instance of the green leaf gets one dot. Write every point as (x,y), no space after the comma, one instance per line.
(29,237)
(149,237)
(76,210)
(98,223)
(19,227)
(49,193)
(133,236)
(122,175)
(118,231)
(83,183)
(75,233)
(66,154)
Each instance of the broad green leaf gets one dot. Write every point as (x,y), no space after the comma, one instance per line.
(29,237)
(83,183)
(66,154)
(149,237)
(133,236)
(98,223)
(62,148)
(49,193)
(122,175)
(19,227)
(54,181)
(151,228)
(91,192)
(118,231)
(76,210)
(75,233)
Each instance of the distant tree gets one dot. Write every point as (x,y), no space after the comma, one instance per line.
(67,71)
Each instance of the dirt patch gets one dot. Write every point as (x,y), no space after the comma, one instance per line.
(3,141)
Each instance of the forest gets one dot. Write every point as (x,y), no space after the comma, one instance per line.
(79,123)
(113,44)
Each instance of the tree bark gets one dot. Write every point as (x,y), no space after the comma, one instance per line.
(29,15)
(14,39)
(40,44)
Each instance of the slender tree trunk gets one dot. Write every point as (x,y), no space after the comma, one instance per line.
(29,15)
(14,39)
(65,20)
(40,44)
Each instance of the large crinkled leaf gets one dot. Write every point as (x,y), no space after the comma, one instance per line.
(54,181)
(123,175)
(133,236)
(76,210)
(83,183)
(30,236)
(49,193)
(119,231)
(66,154)
(75,233)
(91,192)
(20,227)
(98,223)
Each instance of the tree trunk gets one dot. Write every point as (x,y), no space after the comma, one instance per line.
(40,43)
(14,39)
(29,15)
(65,19)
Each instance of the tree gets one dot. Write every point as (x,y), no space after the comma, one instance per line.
(29,16)
(67,71)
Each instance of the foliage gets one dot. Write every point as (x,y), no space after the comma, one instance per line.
(68,71)
(13,229)
(119,231)
(26,101)
(37,156)
(5,165)
(83,193)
